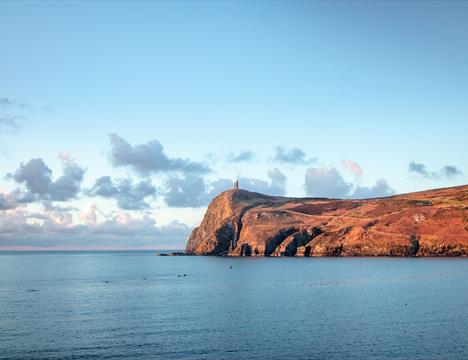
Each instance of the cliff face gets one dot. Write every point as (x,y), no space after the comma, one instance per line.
(243,223)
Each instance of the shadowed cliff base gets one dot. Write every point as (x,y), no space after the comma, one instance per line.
(244,223)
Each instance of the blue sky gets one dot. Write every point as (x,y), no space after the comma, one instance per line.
(339,99)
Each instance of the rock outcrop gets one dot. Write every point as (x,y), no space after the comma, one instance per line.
(243,223)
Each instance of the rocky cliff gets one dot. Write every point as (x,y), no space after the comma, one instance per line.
(243,223)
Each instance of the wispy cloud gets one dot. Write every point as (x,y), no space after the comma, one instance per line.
(241,156)
(293,156)
(12,114)
(352,166)
(7,102)
(447,171)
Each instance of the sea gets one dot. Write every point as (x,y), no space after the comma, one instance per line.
(137,305)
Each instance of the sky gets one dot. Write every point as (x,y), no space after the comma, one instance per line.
(120,121)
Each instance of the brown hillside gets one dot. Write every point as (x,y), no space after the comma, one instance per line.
(242,223)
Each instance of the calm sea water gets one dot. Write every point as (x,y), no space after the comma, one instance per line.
(134,305)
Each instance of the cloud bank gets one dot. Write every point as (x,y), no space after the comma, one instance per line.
(57,229)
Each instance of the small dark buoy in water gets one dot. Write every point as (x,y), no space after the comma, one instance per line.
(178,275)
(106,281)
(230,267)
(406,304)
(185,274)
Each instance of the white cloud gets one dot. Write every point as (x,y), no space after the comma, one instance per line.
(379,189)
(59,229)
(327,182)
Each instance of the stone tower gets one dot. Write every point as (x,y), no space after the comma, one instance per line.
(236,185)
